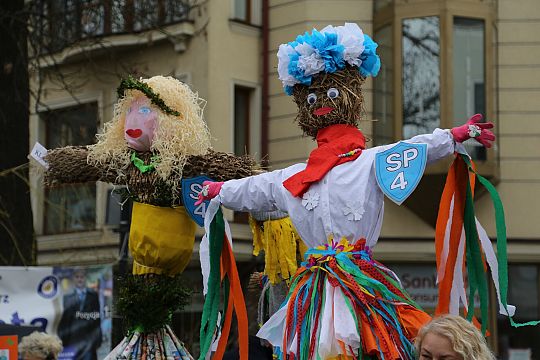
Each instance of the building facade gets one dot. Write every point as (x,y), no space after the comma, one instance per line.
(442,61)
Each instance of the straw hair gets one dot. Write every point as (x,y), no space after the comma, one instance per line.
(349,105)
(175,138)
(40,345)
(466,340)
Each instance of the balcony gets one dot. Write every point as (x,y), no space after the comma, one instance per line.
(64,29)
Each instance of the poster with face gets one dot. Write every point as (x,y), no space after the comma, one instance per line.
(85,323)
(71,302)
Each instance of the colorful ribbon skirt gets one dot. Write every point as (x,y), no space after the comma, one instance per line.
(344,305)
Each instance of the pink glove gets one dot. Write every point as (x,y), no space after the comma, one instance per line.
(476,130)
(209,191)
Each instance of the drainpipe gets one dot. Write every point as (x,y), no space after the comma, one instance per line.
(265,84)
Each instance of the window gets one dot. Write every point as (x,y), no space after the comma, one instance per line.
(75,20)
(433,70)
(523,279)
(70,208)
(246,118)
(246,130)
(469,78)
(420,75)
(92,18)
(242,114)
(248,11)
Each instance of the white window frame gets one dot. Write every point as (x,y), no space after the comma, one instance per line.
(255,15)
(37,134)
(255,116)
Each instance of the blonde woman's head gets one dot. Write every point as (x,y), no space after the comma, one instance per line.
(451,337)
(175,137)
(178,133)
(40,346)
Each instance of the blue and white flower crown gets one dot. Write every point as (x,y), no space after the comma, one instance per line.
(327,50)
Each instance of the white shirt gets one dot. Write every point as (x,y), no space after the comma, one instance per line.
(346,203)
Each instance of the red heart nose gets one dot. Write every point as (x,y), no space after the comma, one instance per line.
(134,133)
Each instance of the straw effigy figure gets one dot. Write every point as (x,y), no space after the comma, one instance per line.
(342,304)
(156,138)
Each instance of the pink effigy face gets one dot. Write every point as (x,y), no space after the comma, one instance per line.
(140,124)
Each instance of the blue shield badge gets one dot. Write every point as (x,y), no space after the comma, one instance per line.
(399,169)
(190,191)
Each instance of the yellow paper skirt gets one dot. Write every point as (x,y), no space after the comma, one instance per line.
(283,248)
(161,239)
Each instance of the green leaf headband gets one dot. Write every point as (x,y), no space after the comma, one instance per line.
(132,84)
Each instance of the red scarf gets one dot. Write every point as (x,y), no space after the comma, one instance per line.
(337,144)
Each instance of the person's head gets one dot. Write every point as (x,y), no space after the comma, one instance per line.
(324,71)
(331,99)
(140,124)
(40,346)
(79,278)
(159,114)
(450,337)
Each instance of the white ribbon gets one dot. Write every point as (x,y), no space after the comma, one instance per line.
(446,244)
(458,285)
(204,247)
(494,266)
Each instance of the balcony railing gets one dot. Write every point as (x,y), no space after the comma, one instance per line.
(62,23)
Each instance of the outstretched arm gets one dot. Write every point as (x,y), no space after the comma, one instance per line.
(245,187)
(220,166)
(68,165)
(441,143)
(254,193)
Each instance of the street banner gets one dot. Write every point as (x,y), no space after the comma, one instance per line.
(71,302)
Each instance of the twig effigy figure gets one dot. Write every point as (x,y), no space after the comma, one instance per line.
(156,139)
(342,304)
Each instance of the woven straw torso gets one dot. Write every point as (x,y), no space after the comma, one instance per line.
(148,187)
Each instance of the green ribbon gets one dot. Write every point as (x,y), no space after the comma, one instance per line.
(139,163)
(212,299)
(502,241)
(475,265)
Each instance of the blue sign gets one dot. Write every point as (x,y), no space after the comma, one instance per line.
(190,192)
(399,169)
